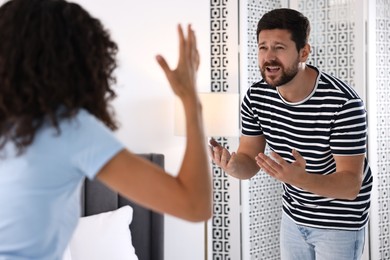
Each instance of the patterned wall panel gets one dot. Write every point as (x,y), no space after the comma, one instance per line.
(332,36)
(334,41)
(220,222)
(262,194)
(223,231)
(382,78)
(219,47)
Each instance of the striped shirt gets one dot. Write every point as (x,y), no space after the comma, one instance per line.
(330,121)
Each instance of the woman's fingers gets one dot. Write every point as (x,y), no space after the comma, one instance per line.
(183,78)
(193,47)
(182,42)
(163,64)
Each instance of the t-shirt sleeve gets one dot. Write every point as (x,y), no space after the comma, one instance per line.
(249,122)
(96,145)
(349,131)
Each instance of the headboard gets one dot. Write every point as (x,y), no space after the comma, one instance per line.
(147,227)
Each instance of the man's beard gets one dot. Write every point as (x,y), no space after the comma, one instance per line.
(286,76)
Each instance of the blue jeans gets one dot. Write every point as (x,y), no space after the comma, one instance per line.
(305,243)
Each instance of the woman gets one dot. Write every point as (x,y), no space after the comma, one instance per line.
(56,71)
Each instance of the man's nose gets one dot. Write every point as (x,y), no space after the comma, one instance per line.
(269,55)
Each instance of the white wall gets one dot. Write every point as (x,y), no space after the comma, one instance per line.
(145,101)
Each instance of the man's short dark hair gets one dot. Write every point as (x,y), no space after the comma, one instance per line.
(288,19)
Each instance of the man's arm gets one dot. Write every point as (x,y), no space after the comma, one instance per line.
(240,164)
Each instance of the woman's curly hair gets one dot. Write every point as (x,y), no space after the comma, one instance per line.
(54,59)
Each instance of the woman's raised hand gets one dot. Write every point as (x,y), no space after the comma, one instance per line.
(183,78)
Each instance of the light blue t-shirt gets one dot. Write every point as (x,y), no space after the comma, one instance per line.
(40,189)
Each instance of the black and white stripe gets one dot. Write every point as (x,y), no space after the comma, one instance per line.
(331,121)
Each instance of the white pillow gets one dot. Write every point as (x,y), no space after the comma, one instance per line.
(103,236)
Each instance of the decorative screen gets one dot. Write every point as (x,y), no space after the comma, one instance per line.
(338,47)
(223,229)
(381,247)
(262,194)
(332,36)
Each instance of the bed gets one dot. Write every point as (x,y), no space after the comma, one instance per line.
(146,228)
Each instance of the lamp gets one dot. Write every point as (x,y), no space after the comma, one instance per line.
(221,119)
(220,114)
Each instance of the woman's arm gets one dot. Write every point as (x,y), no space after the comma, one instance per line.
(188,195)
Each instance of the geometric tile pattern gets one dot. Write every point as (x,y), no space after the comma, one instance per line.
(382,68)
(219,46)
(332,36)
(335,42)
(264,206)
(220,222)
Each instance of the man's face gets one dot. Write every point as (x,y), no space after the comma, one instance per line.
(278,56)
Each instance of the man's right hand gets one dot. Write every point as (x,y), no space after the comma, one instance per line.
(221,156)
(240,164)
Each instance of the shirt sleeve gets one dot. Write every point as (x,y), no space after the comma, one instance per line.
(349,130)
(96,145)
(250,124)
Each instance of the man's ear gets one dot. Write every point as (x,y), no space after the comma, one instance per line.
(304,52)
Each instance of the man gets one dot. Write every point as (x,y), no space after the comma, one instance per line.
(315,127)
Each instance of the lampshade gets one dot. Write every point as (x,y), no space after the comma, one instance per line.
(220,114)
